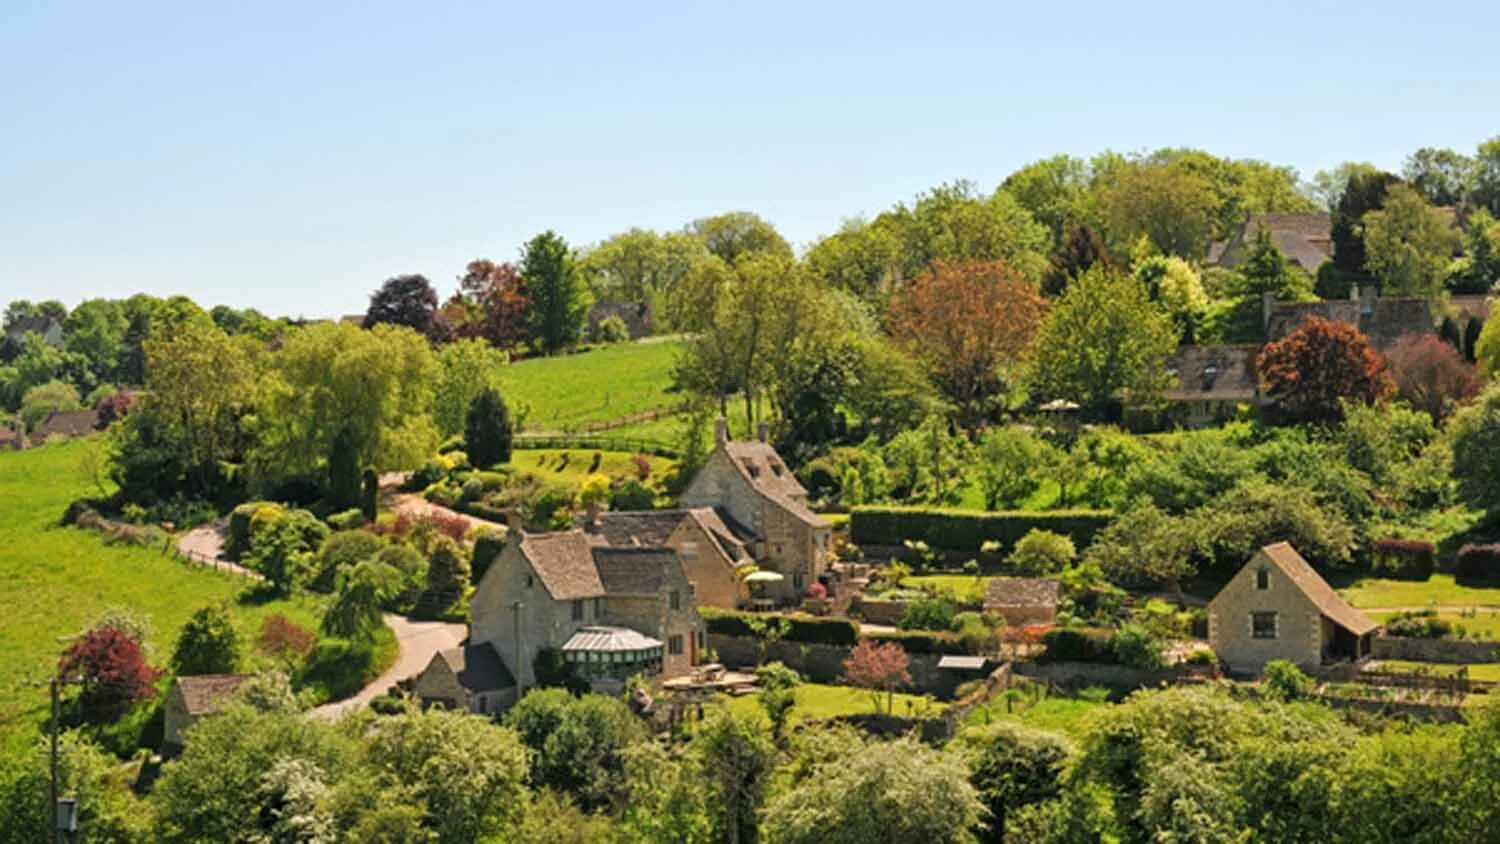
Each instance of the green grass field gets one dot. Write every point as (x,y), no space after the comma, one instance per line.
(1440,589)
(1487,671)
(55,581)
(602,384)
(820,701)
(568,467)
(1056,712)
(1482,624)
(964,588)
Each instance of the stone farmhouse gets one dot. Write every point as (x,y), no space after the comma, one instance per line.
(557,601)
(192,697)
(752,489)
(1277,607)
(713,552)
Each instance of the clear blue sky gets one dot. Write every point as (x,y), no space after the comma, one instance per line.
(290,156)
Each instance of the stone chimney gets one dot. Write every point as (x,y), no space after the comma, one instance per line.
(1267,306)
(1354,292)
(721,431)
(762,431)
(514,524)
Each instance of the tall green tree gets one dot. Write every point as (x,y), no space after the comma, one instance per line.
(208,644)
(732,235)
(1486,185)
(1082,248)
(1439,174)
(1408,245)
(466,368)
(737,756)
(1364,192)
(1051,190)
(343,470)
(487,429)
(639,265)
(1171,205)
(559,295)
(96,330)
(1104,341)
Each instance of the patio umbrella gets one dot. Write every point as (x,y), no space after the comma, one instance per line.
(764,577)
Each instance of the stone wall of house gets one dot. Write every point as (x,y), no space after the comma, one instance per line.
(1435,650)
(1026,616)
(438,685)
(539,622)
(714,583)
(1096,673)
(176,719)
(1299,626)
(654,617)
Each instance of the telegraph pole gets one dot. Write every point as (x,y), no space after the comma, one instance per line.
(62,815)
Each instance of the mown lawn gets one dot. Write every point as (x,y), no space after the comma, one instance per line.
(1487,671)
(1439,589)
(820,701)
(1062,713)
(963,587)
(601,384)
(55,581)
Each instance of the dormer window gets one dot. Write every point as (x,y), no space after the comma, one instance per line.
(1263,579)
(753,469)
(776,469)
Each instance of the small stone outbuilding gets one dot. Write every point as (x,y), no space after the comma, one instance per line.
(1277,607)
(193,697)
(471,677)
(1023,601)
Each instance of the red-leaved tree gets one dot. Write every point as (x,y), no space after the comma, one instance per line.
(879,668)
(971,324)
(1431,375)
(1309,371)
(111,670)
(286,641)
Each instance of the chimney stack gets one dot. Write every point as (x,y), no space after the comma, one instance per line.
(762,431)
(1267,306)
(721,431)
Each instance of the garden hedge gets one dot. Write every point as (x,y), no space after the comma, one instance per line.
(967,530)
(922,641)
(807,629)
(1479,561)
(1065,644)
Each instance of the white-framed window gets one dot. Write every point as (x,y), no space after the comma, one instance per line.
(1263,625)
(674,599)
(797,580)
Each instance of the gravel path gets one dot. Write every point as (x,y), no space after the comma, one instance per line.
(205,544)
(418,641)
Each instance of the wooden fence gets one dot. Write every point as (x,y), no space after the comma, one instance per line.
(639,445)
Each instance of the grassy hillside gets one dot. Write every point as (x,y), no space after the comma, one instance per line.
(605,384)
(54,581)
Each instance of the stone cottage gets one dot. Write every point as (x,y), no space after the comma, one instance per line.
(192,697)
(1277,607)
(560,598)
(750,486)
(471,677)
(1211,382)
(713,551)
(1305,239)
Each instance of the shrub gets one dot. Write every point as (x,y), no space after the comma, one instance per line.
(347,519)
(1065,644)
(113,672)
(208,644)
(631,495)
(1133,645)
(1042,552)
(238,541)
(343,550)
(968,530)
(976,633)
(1285,681)
(285,640)
(1480,562)
(1419,624)
(432,471)
(611,329)
(1202,656)
(642,466)
(1413,558)
(927,613)
(806,629)
(816,591)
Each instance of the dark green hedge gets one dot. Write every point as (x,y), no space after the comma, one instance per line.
(1078,645)
(967,530)
(922,641)
(808,629)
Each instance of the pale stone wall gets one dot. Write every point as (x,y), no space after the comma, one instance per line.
(517,633)
(176,719)
(438,684)
(1435,650)
(1299,633)
(714,583)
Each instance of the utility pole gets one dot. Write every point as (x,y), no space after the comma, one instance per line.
(62,813)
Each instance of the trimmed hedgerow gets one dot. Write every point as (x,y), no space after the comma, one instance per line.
(1414,558)
(968,530)
(807,629)
(1480,562)
(1066,644)
(923,641)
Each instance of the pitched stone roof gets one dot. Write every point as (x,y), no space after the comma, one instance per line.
(635,572)
(203,694)
(565,563)
(769,476)
(1305,239)
(1383,320)
(1213,372)
(652,528)
(1328,602)
(73,423)
(1021,592)
(478,668)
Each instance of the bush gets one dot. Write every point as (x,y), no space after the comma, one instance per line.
(1480,562)
(1419,624)
(968,530)
(631,495)
(611,329)
(975,632)
(1133,645)
(239,526)
(1084,644)
(1285,681)
(1202,656)
(1042,552)
(927,613)
(807,629)
(432,471)
(1408,558)
(343,550)
(347,520)
(923,641)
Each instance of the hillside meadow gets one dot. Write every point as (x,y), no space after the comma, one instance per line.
(600,385)
(55,581)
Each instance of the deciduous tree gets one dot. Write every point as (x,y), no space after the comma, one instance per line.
(112,671)
(640,264)
(1441,175)
(208,643)
(1475,430)
(487,429)
(559,296)
(731,235)
(881,668)
(407,300)
(1309,372)
(1082,249)
(1170,204)
(1431,375)
(1408,245)
(972,325)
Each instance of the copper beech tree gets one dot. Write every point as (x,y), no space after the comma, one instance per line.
(1307,373)
(1431,375)
(971,324)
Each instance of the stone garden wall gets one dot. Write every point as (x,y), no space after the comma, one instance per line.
(1435,650)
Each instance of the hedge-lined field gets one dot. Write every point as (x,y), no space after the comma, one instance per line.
(968,530)
(54,581)
(602,384)
(823,701)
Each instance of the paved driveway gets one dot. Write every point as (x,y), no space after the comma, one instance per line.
(418,641)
